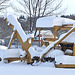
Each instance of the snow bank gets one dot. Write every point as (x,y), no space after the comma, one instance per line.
(65,59)
(35,47)
(54,53)
(33,52)
(47,64)
(47,48)
(2,51)
(3,47)
(12,53)
(68,51)
(38,51)
(46,22)
(22,69)
(43,46)
(22,53)
(2,41)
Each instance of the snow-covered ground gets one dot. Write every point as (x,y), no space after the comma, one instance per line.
(40,68)
(21,68)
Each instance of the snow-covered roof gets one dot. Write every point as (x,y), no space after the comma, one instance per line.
(46,22)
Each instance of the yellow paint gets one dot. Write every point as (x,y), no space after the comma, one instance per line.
(74,50)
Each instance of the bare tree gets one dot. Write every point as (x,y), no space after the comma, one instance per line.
(3,4)
(34,9)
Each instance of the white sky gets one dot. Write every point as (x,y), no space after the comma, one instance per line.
(70,4)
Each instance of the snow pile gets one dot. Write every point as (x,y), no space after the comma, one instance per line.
(2,54)
(70,38)
(43,46)
(47,64)
(47,48)
(54,53)
(52,44)
(65,59)
(39,49)
(3,47)
(22,69)
(12,53)
(68,51)
(46,22)
(35,47)
(33,52)
(2,51)
(22,53)
(2,41)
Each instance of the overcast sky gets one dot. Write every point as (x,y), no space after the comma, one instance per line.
(70,4)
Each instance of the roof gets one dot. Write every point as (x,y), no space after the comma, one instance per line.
(46,22)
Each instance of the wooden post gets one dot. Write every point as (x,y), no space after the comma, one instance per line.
(42,42)
(9,46)
(39,36)
(54,34)
(57,34)
(74,50)
(56,28)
